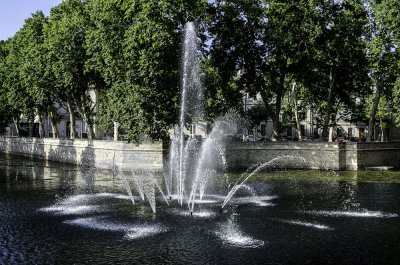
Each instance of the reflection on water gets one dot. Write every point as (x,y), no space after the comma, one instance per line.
(307,224)
(56,213)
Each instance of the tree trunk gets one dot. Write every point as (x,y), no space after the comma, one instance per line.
(327,119)
(330,134)
(42,131)
(371,124)
(87,117)
(31,124)
(296,114)
(278,104)
(275,117)
(383,132)
(89,124)
(16,124)
(71,120)
(54,123)
(91,134)
(41,124)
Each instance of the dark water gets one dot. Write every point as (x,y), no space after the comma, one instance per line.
(58,214)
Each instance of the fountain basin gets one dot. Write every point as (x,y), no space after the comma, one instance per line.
(51,213)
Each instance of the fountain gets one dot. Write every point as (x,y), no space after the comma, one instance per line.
(193,167)
(197,165)
(205,216)
(191,106)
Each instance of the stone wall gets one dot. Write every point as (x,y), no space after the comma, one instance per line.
(97,153)
(239,155)
(378,154)
(313,155)
(284,155)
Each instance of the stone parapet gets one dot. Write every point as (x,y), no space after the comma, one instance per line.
(96,153)
(301,155)
(316,155)
(239,155)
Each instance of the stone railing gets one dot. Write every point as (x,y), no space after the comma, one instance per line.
(239,155)
(96,153)
(313,155)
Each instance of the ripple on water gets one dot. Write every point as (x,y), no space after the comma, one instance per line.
(144,231)
(262,201)
(82,204)
(307,224)
(132,231)
(359,214)
(72,209)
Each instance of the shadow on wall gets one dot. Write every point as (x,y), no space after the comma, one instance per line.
(24,146)
(63,151)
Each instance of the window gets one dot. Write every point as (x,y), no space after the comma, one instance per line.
(263,129)
(350,132)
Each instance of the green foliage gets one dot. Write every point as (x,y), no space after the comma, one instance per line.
(65,38)
(384,113)
(33,64)
(67,56)
(255,115)
(396,101)
(220,98)
(383,53)
(105,39)
(5,108)
(27,90)
(129,52)
(237,51)
(342,67)
(140,61)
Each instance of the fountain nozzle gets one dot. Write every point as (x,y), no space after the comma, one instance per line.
(191,213)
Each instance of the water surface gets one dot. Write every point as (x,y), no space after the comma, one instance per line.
(52,213)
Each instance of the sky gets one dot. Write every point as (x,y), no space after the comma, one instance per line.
(14,12)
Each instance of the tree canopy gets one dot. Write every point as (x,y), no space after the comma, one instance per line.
(343,55)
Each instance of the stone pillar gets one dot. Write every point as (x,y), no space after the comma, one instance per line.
(116,127)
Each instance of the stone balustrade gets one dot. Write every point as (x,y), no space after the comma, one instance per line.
(239,155)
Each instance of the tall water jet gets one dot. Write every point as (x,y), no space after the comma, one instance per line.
(191,106)
(194,166)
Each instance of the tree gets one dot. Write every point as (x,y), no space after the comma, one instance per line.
(221,96)
(290,37)
(65,41)
(295,105)
(383,114)
(383,52)
(15,90)
(338,69)
(140,63)
(105,47)
(261,46)
(235,61)
(5,108)
(33,68)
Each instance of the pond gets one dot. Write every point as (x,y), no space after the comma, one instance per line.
(52,213)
